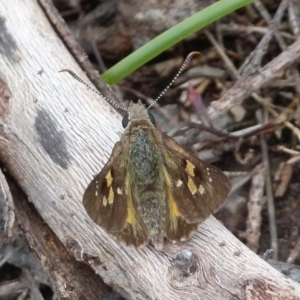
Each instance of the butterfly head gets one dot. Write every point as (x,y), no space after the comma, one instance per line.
(137,111)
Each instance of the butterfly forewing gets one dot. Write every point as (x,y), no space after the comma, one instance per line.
(100,200)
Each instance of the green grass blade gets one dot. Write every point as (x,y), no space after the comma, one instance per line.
(171,37)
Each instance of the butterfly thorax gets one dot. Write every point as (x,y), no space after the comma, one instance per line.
(146,178)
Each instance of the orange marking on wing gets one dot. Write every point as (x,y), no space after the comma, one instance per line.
(131,212)
(191,185)
(173,209)
(111,195)
(190,168)
(109,178)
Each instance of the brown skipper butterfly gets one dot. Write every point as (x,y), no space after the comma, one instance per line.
(151,188)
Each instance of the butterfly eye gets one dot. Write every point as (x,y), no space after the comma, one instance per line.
(152,119)
(125,121)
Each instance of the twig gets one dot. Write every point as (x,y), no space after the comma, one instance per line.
(294,13)
(288,124)
(273,23)
(236,28)
(228,62)
(253,61)
(283,177)
(255,206)
(232,136)
(295,253)
(238,111)
(244,177)
(288,151)
(246,86)
(270,198)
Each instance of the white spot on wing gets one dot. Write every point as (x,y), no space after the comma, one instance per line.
(207,170)
(201,189)
(110,200)
(179,183)
(104,201)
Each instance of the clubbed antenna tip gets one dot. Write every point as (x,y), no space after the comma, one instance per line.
(182,68)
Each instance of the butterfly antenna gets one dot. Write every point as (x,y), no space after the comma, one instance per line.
(75,76)
(182,68)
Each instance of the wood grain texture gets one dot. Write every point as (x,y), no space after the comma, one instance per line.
(55,135)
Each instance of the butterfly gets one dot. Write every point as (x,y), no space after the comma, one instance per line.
(151,188)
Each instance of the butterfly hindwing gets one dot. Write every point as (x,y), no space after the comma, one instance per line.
(109,203)
(176,227)
(195,189)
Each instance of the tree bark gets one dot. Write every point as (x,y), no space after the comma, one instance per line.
(55,135)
